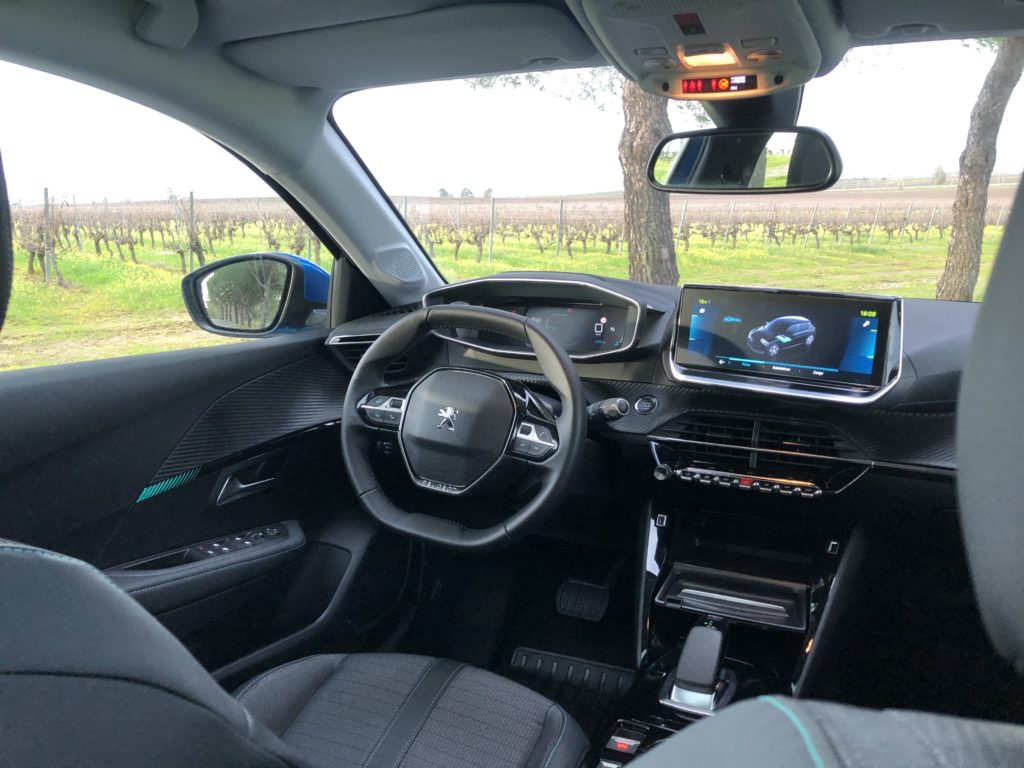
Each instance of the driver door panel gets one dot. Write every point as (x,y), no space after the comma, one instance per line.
(130,463)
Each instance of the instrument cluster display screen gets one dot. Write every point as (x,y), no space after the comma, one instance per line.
(828,338)
(579,328)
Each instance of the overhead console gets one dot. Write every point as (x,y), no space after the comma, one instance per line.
(696,49)
(825,346)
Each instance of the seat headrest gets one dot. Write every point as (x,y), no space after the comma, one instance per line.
(990,446)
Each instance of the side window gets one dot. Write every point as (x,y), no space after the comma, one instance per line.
(110,210)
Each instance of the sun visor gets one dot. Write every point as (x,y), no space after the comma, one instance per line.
(443,43)
(902,21)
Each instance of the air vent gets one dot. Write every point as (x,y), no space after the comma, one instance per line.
(802,437)
(404,309)
(714,437)
(352,348)
(763,447)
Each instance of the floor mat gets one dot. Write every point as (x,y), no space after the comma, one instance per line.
(589,692)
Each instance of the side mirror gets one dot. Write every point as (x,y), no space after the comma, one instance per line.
(258,294)
(745,161)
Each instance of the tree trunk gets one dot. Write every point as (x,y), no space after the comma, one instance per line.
(963,259)
(648,230)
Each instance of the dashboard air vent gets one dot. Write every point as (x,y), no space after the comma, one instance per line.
(404,309)
(714,437)
(751,445)
(352,348)
(802,437)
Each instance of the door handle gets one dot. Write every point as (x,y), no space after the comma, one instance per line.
(234,488)
(248,477)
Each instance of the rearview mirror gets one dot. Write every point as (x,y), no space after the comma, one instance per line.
(745,161)
(258,294)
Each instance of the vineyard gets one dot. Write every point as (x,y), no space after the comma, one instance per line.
(102,280)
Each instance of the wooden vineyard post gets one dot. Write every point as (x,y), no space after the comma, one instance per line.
(728,226)
(682,219)
(47,252)
(561,215)
(931,220)
(906,221)
(874,223)
(490,235)
(810,224)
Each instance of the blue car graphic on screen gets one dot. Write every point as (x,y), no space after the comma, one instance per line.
(780,334)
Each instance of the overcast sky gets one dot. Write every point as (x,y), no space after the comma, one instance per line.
(892,111)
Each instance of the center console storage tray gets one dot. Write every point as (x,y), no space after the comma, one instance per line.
(737,596)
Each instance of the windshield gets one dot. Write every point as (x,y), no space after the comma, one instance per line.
(540,172)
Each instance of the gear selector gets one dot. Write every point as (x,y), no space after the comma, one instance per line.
(700,685)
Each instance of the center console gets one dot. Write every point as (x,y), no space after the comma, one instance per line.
(738,596)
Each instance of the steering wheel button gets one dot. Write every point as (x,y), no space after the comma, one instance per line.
(522,445)
(526,430)
(378,401)
(543,434)
(392,417)
(538,449)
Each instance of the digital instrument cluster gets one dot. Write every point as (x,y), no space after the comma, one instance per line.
(579,328)
(588,321)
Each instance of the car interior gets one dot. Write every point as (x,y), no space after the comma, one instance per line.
(534,519)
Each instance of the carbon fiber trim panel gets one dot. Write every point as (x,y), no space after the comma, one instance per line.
(898,437)
(297,396)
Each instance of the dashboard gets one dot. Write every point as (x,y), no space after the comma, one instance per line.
(855,382)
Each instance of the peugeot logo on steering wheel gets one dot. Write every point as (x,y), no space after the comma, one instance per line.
(447,416)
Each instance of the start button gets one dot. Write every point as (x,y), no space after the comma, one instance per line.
(645,405)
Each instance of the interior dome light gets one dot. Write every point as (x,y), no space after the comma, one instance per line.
(708,56)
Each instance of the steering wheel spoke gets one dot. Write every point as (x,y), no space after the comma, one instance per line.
(383,409)
(534,440)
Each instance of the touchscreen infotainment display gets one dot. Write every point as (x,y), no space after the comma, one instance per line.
(828,338)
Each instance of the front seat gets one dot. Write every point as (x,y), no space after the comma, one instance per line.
(775,732)
(89,679)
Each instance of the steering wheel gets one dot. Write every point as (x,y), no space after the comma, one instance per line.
(460,431)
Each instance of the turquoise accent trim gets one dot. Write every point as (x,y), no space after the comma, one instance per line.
(791,716)
(155,489)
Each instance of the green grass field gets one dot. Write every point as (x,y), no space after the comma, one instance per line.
(905,269)
(112,308)
(108,308)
